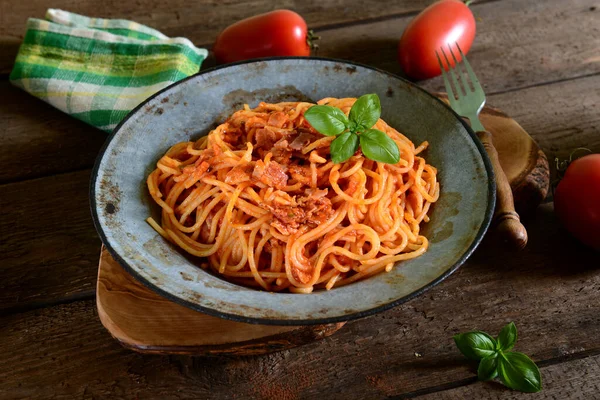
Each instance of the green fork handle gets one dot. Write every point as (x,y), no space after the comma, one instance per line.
(507,221)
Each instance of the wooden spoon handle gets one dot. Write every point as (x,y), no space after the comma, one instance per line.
(508,223)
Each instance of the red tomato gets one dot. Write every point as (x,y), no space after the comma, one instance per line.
(276,33)
(577,200)
(442,23)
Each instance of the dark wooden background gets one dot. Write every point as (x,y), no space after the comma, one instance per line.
(540,61)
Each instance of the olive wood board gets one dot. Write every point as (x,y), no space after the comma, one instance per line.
(146,322)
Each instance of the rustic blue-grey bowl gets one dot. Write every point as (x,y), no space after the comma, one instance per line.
(191,108)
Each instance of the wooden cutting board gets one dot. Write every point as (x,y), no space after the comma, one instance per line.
(144,321)
(523,162)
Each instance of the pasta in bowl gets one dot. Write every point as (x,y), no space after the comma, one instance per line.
(320,224)
(261,200)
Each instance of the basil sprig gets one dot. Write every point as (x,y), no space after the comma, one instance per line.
(354,130)
(515,370)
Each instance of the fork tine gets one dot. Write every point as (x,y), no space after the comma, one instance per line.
(474,81)
(447,84)
(459,72)
(459,89)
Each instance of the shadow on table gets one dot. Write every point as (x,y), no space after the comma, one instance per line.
(550,252)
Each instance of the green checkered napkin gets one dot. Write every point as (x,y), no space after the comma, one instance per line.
(97,70)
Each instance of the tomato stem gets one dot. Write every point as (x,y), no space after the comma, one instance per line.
(579,149)
(310,40)
(468,2)
(561,164)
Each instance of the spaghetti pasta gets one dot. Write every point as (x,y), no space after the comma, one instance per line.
(260,200)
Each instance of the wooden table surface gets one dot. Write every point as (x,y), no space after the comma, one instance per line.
(540,62)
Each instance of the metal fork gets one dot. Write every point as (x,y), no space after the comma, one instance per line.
(467,103)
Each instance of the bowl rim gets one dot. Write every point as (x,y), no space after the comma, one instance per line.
(491,202)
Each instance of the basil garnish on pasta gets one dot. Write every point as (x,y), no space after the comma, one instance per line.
(354,130)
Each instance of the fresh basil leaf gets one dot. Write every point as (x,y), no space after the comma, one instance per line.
(343,147)
(507,337)
(352,127)
(378,146)
(518,372)
(488,368)
(329,121)
(366,111)
(475,345)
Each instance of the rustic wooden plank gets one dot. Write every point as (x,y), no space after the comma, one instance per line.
(518,43)
(49,246)
(64,351)
(200,21)
(9,47)
(38,140)
(577,379)
(560,117)
(527,46)
(550,290)
(567,120)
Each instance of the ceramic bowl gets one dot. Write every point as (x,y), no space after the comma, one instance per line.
(192,107)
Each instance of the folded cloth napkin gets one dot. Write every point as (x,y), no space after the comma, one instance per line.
(97,70)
